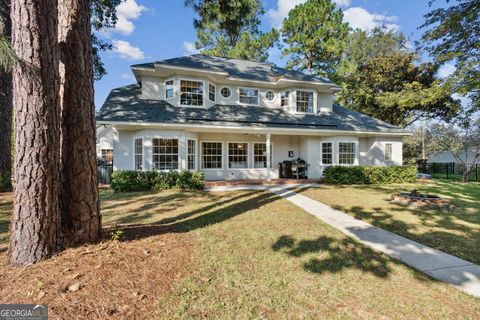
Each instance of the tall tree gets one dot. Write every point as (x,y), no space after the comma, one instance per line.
(6,61)
(389,83)
(230,28)
(81,221)
(314,37)
(452,36)
(36,213)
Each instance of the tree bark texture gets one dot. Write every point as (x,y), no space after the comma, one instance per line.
(35,223)
(5,98)
(81,219)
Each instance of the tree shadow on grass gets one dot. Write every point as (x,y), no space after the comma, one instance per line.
(198,218)
(334,255)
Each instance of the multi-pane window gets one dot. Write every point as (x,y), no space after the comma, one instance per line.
(191,154)
(169,90)
(388,151)
(304,101)
(107,155)
(248,96)
(212,155)
(165,154)
(138,154)
(260,155)
(285,98)
(225,92)
(270,95)
(211,92)
(346,153)
(237,155)
(327,153)
(191,93)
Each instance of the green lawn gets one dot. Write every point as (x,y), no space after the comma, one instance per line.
(454,231)
(260,257)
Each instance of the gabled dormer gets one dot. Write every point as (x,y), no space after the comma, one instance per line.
(200,81)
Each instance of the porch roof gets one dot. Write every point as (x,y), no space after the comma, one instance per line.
(124,105)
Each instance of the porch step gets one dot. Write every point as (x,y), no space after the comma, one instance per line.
(222,183)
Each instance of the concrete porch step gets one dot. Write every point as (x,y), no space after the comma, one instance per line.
(224,183)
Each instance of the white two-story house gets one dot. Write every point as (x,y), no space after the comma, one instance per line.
(237,119)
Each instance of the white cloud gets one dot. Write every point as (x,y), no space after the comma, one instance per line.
(127,11)
(126,76)
(446,70)
(127,51)
(360,18)
(342,3)
(276,16)
(189,47)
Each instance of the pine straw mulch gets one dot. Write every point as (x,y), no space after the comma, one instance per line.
(109,280)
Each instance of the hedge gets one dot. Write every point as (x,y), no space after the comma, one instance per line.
(369,174)
(131,181)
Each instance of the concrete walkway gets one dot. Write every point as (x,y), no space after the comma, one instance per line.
(437,264)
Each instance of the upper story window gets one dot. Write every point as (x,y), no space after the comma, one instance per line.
(225,92)
(305,101)
(284,98)
(248,96)
(191,93)
(169,90)
(211,92)
(388,152)
(270,96)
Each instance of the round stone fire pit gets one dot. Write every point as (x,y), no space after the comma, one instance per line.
(417,199)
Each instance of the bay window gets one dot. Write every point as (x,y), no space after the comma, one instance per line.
(212,155)
(237,155)
(191,93)
(248,96)
(305,101)
(169,90)
(285,98)
(346,153)
(165,154)
(191,154)
(211,92)
(138,145)
(327,153)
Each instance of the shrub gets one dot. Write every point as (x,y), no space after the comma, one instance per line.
(131,181)
(369,175)
(5,182)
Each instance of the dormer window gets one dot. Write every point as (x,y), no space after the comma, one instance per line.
(169,90)
(211,92)
(285,98)
(305,101)
(191,93)
(248,96)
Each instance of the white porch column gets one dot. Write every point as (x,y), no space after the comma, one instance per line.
(268,143)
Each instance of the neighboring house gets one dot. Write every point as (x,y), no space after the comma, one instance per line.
(447,157)
(105,134)
(237,119)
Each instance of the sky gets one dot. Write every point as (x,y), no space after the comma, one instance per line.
(153,30)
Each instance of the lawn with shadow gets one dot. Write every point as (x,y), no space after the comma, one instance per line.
(455,231)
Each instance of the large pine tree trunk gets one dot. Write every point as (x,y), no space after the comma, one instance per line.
(81,220)
(36,216)
(5,98)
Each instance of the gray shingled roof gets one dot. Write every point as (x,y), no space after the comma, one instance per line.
(125,105)
(236,68)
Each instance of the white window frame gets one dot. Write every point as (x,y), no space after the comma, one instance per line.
(385,151)
(253,154)
(229,90)
(135,153)
(333,153)
(274,96)
(180,93)
(222,155)
(313,101)
(214,92)
(228,154)
(167,87)
(195,155)
(355,158)
(178,153)
(288,98)
(248,104)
